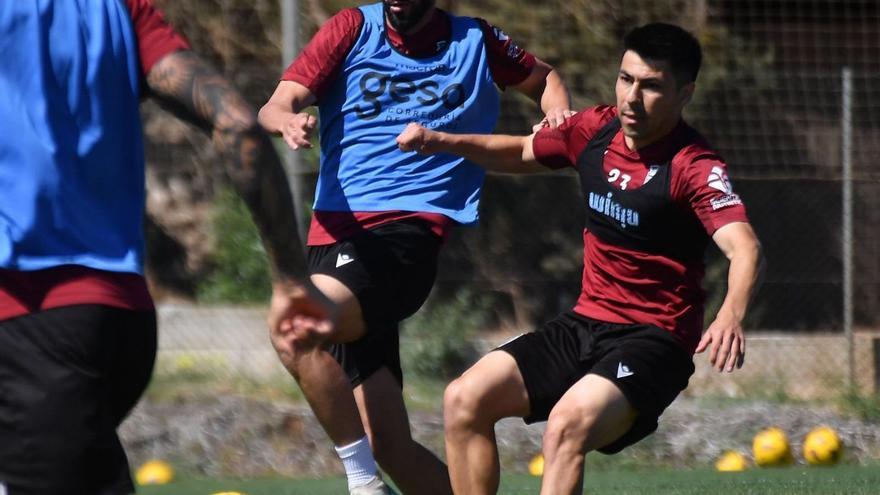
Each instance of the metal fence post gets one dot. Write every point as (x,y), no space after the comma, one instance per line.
(289,50)
(846,158)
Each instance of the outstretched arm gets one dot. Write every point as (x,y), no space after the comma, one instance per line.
(192,89)
(724,338)
(494,152)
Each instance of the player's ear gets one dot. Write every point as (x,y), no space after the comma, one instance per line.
(686,92)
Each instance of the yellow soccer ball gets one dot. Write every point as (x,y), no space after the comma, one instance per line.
(154,472)
(822,447)
(228,493)
(771,448)
(536,465)
(731,461)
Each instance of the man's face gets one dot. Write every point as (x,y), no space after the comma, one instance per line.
(649,101)
(403,15)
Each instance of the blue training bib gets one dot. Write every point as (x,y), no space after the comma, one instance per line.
(378,92)
(71,159)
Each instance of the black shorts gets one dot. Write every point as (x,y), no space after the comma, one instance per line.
(390,269)
(645,362)
(68,377)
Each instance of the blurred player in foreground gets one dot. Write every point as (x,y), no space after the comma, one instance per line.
(77,324)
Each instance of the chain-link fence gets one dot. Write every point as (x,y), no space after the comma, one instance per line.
(789,95)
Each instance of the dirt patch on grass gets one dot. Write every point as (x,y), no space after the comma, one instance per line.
(238,436)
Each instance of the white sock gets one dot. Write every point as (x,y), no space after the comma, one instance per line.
(357,458)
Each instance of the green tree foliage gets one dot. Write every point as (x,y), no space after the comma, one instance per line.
(439,341)
(240,272)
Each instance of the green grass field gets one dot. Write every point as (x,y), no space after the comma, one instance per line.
(841,480)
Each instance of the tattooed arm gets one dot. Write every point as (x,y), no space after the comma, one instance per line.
(186,85)
(192,89)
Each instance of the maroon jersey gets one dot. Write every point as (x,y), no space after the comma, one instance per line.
(156,38)
(633,272)
(24,292)
(320,62)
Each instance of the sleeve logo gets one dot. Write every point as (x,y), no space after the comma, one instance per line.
(718,180)
(513,51)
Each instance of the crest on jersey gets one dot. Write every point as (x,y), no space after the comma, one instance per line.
(652,171)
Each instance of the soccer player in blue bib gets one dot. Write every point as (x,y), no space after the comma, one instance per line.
(77,323)
(381,215)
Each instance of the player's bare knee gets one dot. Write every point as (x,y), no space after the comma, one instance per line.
(293,348)
(568,431)
(459,405)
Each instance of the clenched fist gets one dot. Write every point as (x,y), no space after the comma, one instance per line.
(416,138)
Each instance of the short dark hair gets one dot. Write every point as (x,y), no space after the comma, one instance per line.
(661,42)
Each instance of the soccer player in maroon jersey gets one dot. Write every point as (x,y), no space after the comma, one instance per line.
(372,246)
(602,373)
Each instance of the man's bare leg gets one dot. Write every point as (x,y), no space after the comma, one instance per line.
(592,413)
(324,382)
(490,390)
(414,469)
